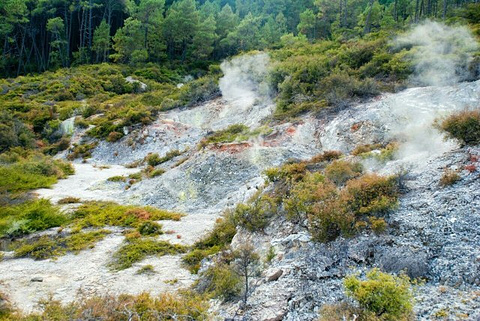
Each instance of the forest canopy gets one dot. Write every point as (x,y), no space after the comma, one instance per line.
(40,35)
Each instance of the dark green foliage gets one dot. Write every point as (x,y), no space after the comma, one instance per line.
(463,126)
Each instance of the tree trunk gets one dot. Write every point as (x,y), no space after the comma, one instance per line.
(367,20)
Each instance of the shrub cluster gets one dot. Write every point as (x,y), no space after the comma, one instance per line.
(136,249)
(120,308)
(28,217)
(463,126)
(385,296)
(47,247)
(23,170)
(99,214)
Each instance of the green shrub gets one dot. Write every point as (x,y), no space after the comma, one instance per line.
(463,126)
(256,214)
(227,135)
(47,247)
(187,304)
(215,241)
(117,179)
(153,159)
(388,297)
(135,250)
(333,211)
(146,269)
(341,171)
(31,216)
(99,214)
(222,282)
(84,151)
(23,170)
(156,172)
(150,228)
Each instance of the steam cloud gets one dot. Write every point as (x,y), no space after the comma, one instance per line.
(243,84)
(441,54)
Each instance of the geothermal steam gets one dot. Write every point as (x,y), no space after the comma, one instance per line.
(243,83)
(441,54)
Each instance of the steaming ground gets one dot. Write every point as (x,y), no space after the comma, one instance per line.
(204,182)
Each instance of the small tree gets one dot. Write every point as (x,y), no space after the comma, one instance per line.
(246,265)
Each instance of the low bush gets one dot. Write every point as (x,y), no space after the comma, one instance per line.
(120,308)
(31,216)
(146,269)
(388,297)
(150,228)
(81,151)
(23,170)
(117,179)
(136,249)
(69,200)
(156,172)
(114,136)
(333,211)
(449,177)
(99,214)
(221,281)
(47,247)
(256,214)
(341,171)
(217,240)
(463,126)
(227,135)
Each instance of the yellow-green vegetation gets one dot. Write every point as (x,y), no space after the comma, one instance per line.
(336,198)
(162,307)
(81,151)
(256,213)
(23,170)
(237,132)
(463,126)
(28,217)
(449,177)
(386,296)
(156,172)
(47,247)
(222,282)
(146,269)
(310,77)
(136,249)
(340,171)
(215,241)
(117,179)
(155,159)
(99,214)
(380,152)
